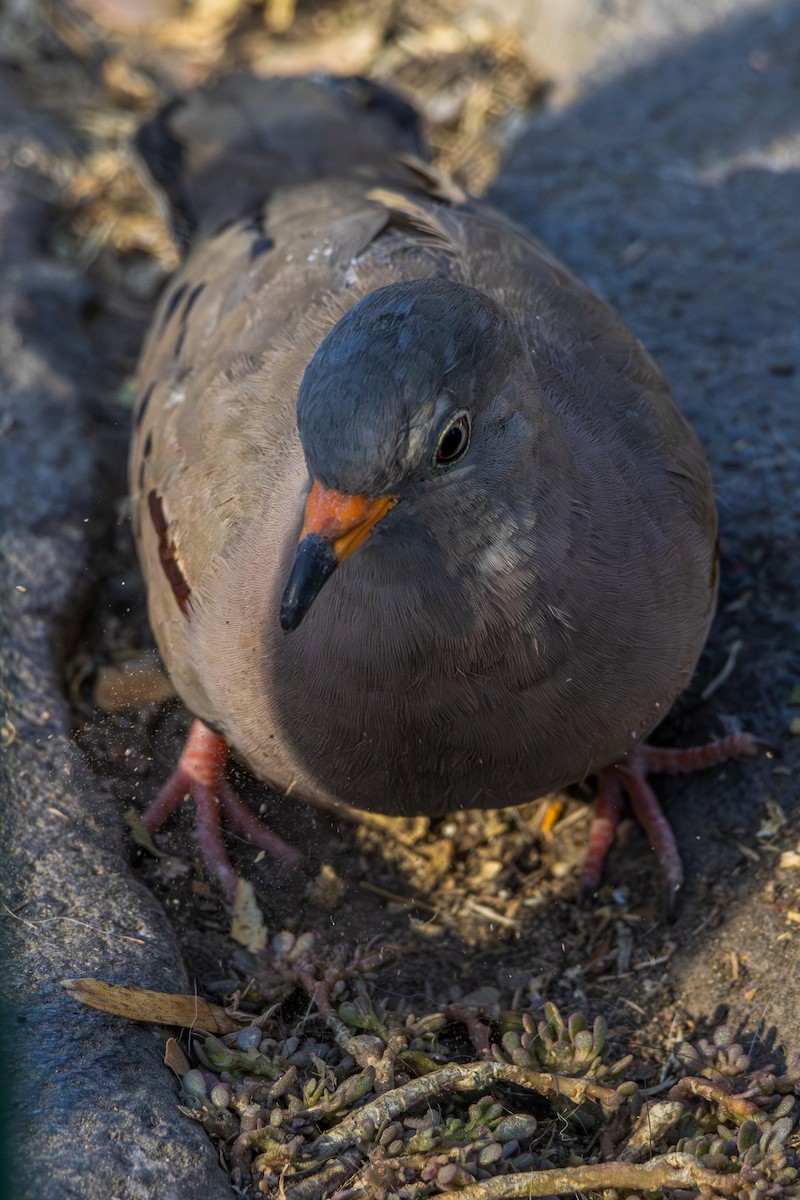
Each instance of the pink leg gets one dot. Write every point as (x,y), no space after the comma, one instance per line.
(240,818)
(655,760)
(209,838)
(202,762)
(200,776)
(649,814)
(170,797)
(602,831)
(629,776)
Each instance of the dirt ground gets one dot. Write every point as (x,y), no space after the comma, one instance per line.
(668,177)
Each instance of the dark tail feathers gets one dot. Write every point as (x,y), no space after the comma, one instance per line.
(219,150)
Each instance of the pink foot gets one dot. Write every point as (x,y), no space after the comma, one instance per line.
(608,806)
(628,777)
(200,777)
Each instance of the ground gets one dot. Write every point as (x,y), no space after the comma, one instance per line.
(662,165)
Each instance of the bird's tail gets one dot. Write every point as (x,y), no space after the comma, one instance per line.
(219,150)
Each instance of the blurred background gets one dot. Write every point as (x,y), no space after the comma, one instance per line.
(106,63)
(474,68)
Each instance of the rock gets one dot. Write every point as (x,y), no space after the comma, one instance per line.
(94,1111)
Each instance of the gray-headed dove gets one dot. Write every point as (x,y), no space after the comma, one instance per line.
(421,524)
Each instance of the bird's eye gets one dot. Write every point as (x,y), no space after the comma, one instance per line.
(453,441)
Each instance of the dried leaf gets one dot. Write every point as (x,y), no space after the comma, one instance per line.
(131,685)
(140,833)
(328,890)
(248,927)
(159,1008)
(175,1059)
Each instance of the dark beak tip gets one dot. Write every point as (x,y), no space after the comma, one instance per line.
(290,617)
(314,563)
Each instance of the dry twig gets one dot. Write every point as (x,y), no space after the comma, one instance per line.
(455,1077)
(666,1171)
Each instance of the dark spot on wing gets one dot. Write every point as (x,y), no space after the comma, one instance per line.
(260,245)
(148,445)
(141,407)
(261,240)
(141,475)
(166,552)
(190,300)
(173,303)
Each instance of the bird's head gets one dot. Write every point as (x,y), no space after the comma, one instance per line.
(410,398)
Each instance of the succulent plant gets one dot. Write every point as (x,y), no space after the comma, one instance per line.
(363,1100)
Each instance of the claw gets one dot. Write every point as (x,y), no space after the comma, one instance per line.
(200,777)
(628,778)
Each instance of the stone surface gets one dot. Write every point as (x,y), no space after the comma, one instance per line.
(94,1112)
(578,44)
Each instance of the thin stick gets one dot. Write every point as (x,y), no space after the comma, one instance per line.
(671,1170)
(455,1077)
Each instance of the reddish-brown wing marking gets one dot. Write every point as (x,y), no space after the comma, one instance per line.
(167,552)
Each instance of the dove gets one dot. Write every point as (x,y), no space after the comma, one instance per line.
(421,524)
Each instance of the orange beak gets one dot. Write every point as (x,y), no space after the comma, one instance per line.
(334,527)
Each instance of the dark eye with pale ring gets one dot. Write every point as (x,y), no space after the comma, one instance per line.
(453,441)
